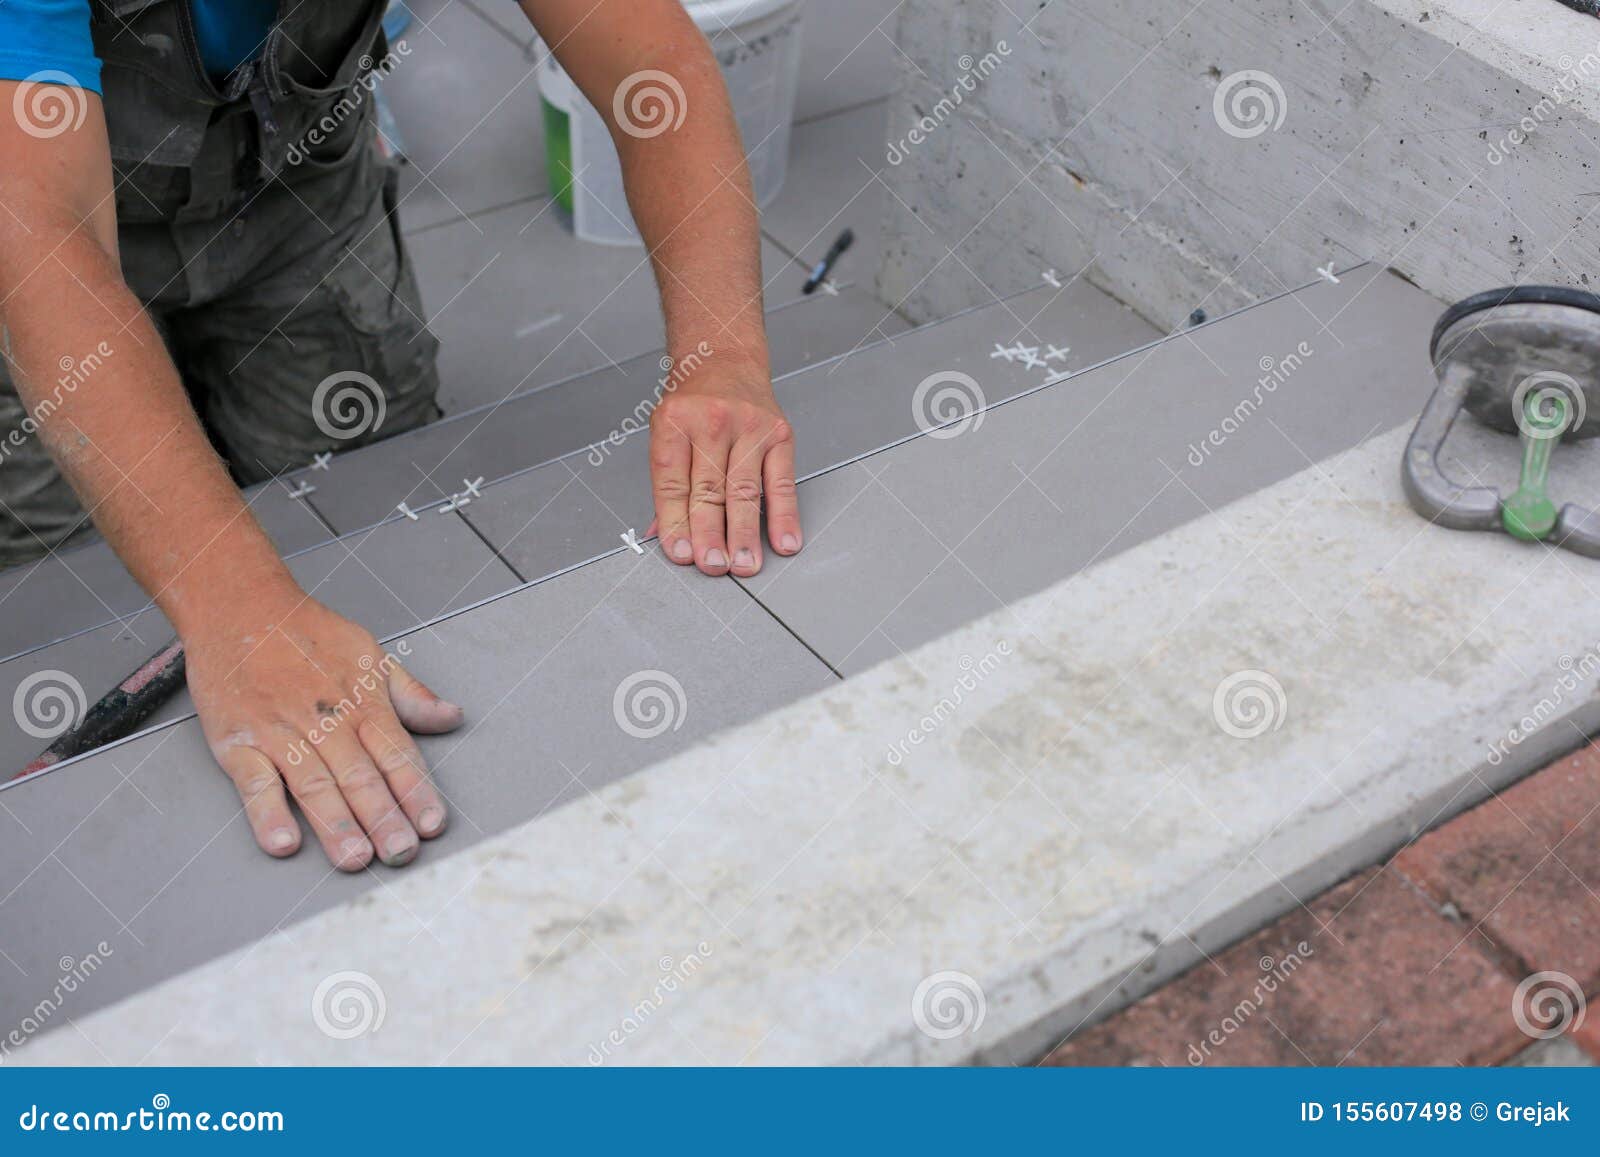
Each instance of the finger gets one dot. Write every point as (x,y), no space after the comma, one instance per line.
(266,806)
(744,504)
(314,789)
(669,484)
(782,497)
(367,792)
(401,764)
(418,707)
(708,522)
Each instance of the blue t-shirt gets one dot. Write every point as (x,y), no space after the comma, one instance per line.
(51,37)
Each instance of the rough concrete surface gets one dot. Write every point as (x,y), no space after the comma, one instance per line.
(1143,762)
(1452,141)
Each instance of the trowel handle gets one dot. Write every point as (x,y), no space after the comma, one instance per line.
(1432,493)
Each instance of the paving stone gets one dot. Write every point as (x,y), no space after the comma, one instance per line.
(847,54)
(539,673)
(833,185)
(1525,866)
(1371,974)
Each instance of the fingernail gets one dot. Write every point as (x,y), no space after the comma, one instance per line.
(744,558)
(431,820)
(681,550)
(790,544)
(715,559)
(354,853)
(399,849)
(281,840)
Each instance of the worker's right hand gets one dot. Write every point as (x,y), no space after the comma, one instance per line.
(292,696)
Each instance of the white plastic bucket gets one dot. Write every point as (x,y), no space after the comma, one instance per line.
(757,43)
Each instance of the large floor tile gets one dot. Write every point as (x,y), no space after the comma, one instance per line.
(466,103)
(1031,492)
(518,302)
(388,579)
(143,847)
(87,586)
(848,56)
(832,185)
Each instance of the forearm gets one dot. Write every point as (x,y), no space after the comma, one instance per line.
(126,436)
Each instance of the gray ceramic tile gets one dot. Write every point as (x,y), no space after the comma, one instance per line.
(428,465)
(143,846)
(466,102)
(832,184)
(388,579)
(849,55)
(1048,484)
(518,302)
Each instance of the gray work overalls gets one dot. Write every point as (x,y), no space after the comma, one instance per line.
(256,224)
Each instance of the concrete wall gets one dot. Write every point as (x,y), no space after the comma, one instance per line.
(1453,140)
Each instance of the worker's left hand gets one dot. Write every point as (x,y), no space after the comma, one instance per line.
(719,444)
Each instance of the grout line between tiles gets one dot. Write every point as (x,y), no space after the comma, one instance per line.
(792,632)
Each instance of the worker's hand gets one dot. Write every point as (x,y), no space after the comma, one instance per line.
(718,444)
(291,694)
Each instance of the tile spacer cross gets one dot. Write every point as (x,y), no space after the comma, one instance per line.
(632,541)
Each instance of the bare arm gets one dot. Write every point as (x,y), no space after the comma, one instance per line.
(718,440)
(263,657)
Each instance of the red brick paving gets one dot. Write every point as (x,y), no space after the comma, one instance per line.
(1413,963)
(1526,867)
(1371,975)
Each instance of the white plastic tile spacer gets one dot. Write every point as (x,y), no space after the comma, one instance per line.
(632,541)
(407,511)
(472,486)
(1052,279)
(457,501)
(320,461)
(1327,274)
(830,288)
(302,490)
(1006,352)
(1057,353)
